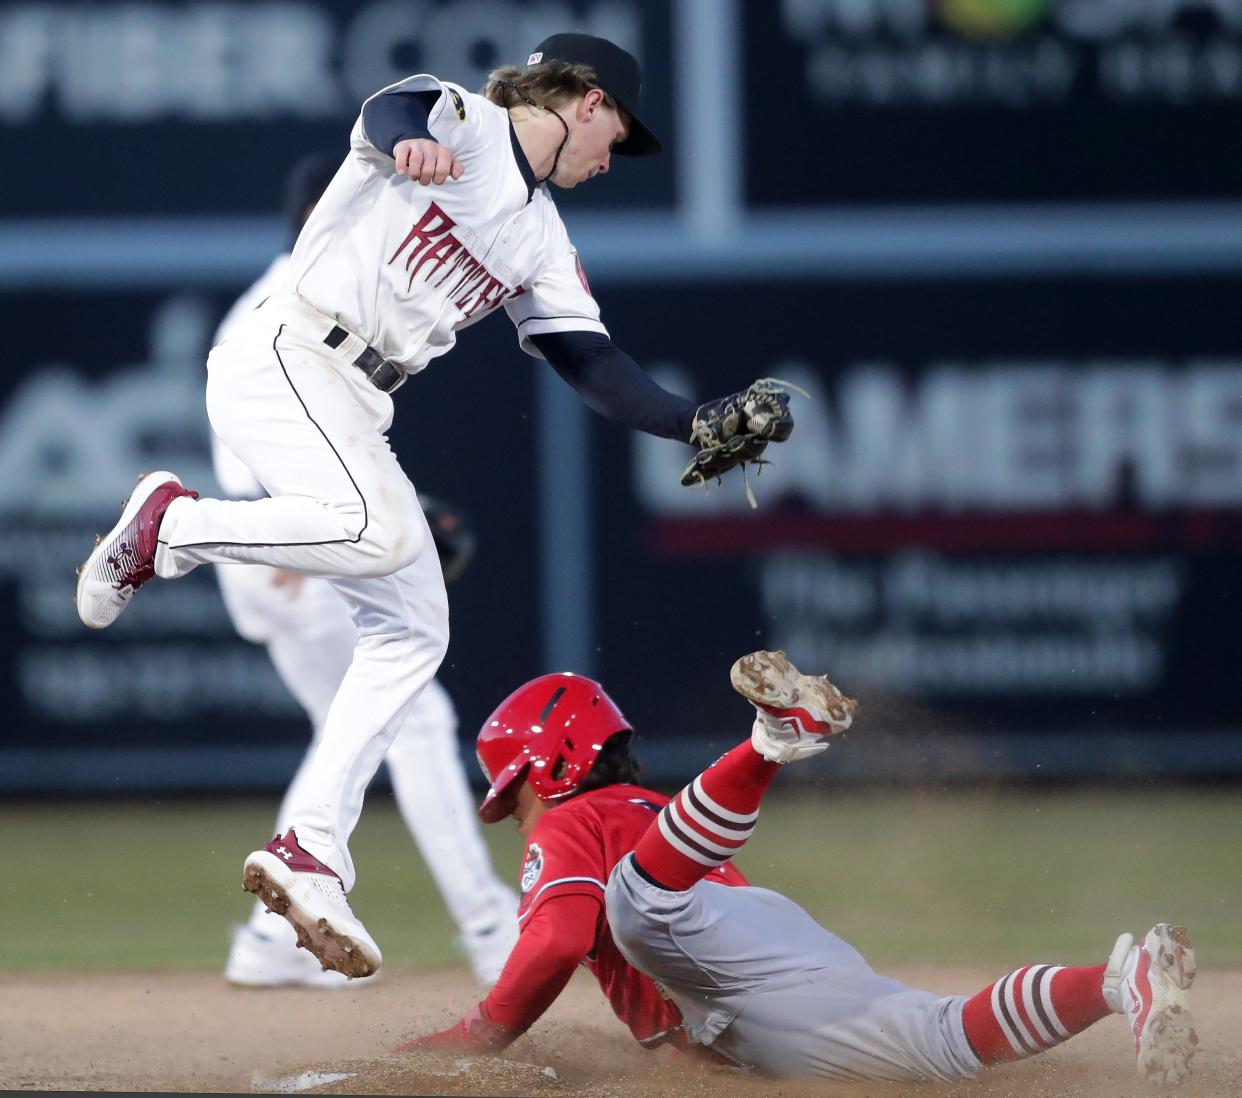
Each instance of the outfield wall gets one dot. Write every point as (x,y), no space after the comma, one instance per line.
(1007,521)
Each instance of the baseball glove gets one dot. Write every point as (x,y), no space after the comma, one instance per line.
(735,430)
(452,535)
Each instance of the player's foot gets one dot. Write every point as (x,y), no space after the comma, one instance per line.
(124,560)
(796,711)
(258,959)
(310,896)
(1150,982)
(487,947)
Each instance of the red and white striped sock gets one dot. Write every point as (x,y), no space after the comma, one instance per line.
(1033,1009)
(707,822)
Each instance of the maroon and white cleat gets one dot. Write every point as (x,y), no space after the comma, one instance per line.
(796,712)
(294,883)
(124,560)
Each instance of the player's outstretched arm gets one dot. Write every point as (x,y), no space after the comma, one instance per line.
(730,431)
(554,939)
(611,383)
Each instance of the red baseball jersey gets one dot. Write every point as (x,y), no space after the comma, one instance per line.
(573,849)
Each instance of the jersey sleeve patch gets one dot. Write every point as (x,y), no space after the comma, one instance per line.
(459,104)
(532,867)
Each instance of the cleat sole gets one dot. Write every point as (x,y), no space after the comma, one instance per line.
(768,679)
(1169,1039)
(271,894)
(334,950)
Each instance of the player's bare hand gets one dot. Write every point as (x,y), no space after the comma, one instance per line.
(425,161)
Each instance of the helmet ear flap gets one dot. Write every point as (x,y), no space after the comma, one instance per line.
(556,778)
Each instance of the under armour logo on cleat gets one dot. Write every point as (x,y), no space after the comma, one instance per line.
(284,853)
(117,557)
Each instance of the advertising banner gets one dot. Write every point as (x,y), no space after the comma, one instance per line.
(1008,521)
(159,108)
(1008,508)
(99,388)
(1025,100)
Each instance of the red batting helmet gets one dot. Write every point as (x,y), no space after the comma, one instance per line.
(552,729)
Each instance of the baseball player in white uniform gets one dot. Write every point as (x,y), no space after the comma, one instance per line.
(310,636)
(439,215)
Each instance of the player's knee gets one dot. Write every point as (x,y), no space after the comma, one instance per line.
(379,560)
(388,547)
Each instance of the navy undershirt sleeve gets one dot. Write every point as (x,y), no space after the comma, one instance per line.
(393,116)
(614,385)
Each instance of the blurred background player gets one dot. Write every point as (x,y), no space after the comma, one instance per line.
(311,637)
(641,890)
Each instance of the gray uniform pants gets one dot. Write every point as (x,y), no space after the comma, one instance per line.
(765,985)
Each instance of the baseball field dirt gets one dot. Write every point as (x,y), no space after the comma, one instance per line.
(189,1031)
(108,983)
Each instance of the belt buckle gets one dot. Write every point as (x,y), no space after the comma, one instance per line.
(385,364)
(374,365)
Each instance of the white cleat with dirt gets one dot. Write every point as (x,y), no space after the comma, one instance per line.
(796,712)
(295,884)
(1150,982)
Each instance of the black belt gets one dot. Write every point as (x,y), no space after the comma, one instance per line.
(384,375)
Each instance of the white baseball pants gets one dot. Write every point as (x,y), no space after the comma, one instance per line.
(310,638)
(312,429)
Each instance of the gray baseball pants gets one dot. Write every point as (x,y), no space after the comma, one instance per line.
(765,985)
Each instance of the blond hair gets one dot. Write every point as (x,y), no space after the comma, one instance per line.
(550,85)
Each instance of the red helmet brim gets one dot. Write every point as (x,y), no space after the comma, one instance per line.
(501,798)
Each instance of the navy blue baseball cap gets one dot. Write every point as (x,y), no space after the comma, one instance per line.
(616,72)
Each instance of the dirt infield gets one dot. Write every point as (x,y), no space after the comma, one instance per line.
(167,1031)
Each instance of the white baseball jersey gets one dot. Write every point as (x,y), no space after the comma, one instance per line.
(405,267)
